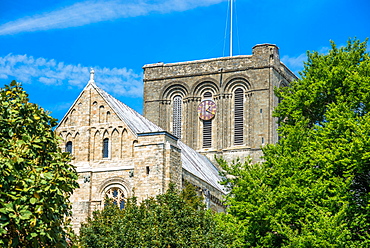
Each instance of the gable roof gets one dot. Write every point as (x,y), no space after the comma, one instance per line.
(193,162)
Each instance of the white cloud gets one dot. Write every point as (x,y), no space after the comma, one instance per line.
(83,13)
(294,63)
(28,70)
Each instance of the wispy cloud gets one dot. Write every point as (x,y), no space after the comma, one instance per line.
(294,63)
(87,12)
(30,70)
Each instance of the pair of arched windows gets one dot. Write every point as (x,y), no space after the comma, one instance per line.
(238,120)
(177,120)
(69,147)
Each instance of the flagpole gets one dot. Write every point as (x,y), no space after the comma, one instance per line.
(231,28)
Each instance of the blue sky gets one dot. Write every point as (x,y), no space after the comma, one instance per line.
(49,46)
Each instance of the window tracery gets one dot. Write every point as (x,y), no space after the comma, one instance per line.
(117,196)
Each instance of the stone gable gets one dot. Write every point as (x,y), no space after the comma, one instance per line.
(118,152)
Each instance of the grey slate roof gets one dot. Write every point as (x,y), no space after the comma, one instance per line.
(200,166)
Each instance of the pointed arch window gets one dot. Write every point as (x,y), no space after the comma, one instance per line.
(106,148)
(238,116)
(69,147)
(177,116)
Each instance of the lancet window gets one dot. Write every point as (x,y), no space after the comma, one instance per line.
(106,148)
(177,116)
(238,116)
(207,125)
(69,147)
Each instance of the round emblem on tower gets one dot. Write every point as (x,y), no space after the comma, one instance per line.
(207,110)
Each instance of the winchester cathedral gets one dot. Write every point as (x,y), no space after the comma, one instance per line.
(193,112)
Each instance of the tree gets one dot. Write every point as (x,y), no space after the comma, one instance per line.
(169,220)
(313,188)
(36,178)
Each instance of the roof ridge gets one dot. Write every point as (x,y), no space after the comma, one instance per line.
(134,120)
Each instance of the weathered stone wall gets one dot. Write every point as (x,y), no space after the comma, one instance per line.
(142,163)
(256,74)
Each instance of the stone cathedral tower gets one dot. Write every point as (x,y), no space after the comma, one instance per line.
(221,106)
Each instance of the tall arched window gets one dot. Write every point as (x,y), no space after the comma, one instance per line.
(177,114)
(106,148)
(101,114)
(117,196)
(207,125)
(238,116)
(69,147)
(108,117)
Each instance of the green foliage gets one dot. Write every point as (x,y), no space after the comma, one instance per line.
(169,220)
(36,178)
(313,188)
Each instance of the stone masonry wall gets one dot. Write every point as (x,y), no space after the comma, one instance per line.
(256,74)
(142,163)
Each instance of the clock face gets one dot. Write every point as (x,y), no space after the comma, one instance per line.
(207,110)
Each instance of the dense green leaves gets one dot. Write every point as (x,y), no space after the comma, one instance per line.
(36,178)
(313,188)
(169,220)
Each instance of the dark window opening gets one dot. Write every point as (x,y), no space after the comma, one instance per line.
(238,117)
(105,148)
(69,147)
(177,114)
(207,134)
(147,170)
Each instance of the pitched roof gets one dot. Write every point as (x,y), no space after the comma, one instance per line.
(135,121)
(193,162)
(200,166)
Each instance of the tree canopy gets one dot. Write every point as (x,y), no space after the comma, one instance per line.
(312,190)
(36,178)
(172,219)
